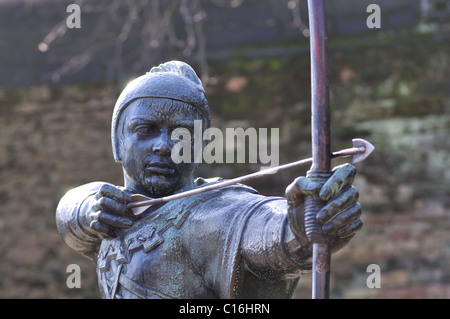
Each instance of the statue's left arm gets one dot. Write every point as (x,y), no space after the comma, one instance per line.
(88,213)
(274,242)
(269,247)
(73,221)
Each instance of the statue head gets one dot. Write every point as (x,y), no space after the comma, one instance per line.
(172,80)
(147,111)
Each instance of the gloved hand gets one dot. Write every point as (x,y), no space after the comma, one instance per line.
(108,212)
(339,218)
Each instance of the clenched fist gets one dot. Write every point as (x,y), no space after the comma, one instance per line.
(339,217)
(108,212)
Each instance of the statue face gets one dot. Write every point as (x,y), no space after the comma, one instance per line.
(146,146)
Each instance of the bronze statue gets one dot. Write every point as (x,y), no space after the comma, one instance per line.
(225,243)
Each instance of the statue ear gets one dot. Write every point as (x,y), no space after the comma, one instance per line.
(118,140)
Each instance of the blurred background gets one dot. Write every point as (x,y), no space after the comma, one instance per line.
(389,85)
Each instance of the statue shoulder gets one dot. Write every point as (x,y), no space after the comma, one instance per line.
(200,181)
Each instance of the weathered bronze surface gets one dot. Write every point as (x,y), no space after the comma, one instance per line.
(226,243)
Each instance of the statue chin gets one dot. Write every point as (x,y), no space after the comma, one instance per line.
(158,186)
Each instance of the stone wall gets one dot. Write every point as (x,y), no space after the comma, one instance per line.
(52,140)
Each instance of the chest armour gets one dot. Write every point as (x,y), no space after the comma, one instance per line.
(128,263)
(154,258)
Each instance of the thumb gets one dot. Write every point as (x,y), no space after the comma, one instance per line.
(300,187)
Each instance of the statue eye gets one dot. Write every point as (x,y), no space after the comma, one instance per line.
(145,129)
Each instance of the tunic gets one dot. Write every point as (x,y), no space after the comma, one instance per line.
(226,243)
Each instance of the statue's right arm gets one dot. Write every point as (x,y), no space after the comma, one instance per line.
(72,219)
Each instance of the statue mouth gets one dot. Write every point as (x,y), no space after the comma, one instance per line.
(160,168)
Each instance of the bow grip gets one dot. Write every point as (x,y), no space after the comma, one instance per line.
(313,228)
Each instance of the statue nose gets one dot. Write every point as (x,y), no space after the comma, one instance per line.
(161,146)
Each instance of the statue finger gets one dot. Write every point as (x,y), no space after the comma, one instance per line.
(341,178)
(351,229)
(102,230)
(300,187)
(343,200)
(342,220)
(111,191)
(111,205)
(114,221)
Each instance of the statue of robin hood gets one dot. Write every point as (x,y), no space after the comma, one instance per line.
(226,243)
